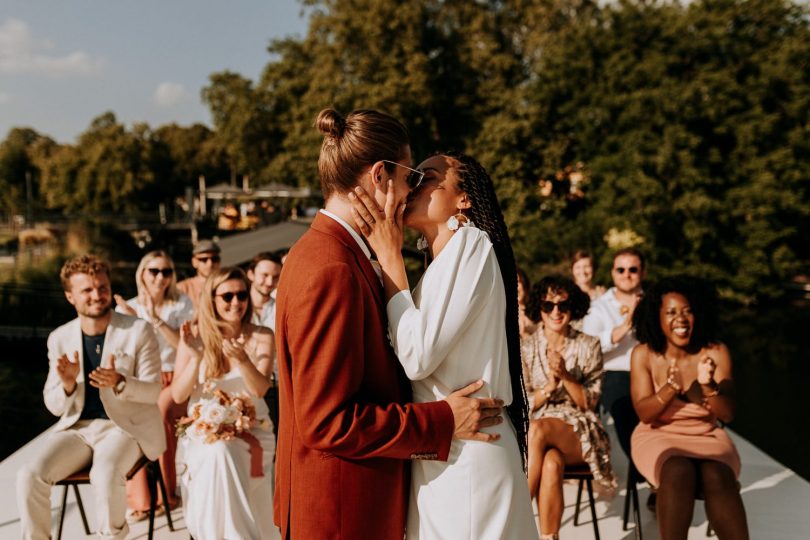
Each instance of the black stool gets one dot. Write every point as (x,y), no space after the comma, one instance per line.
(585,476)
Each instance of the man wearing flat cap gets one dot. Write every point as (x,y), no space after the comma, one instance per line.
(205,259)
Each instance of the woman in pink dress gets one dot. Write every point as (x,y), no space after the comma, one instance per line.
(681,386)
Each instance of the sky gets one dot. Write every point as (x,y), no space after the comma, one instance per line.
(64,62)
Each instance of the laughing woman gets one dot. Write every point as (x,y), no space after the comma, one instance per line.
(681,386)
(459,324)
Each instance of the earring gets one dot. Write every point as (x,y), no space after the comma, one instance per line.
(459,220)
(422,243)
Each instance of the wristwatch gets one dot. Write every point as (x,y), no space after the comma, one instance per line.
(120,385)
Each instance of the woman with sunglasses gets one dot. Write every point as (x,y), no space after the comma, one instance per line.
(562,370)
(160,303)
(460,324)
(681,384)
(227,484)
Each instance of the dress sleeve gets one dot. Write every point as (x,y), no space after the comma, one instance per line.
(460,284)
(592,372)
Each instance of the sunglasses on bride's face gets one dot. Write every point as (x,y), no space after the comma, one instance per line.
(229,296)
(415,177)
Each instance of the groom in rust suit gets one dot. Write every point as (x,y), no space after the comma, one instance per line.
(347,430)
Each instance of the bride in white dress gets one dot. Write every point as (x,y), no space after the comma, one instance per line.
(227,486)
(460,324)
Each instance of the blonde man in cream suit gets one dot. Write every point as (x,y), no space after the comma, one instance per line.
(103,383)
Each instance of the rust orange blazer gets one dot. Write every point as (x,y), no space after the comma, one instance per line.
(346,430)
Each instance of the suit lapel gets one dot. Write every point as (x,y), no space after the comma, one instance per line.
(76,343)
(327,225)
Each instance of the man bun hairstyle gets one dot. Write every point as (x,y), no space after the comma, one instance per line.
(357,141)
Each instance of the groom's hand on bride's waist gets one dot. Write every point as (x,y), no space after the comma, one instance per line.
(471,415)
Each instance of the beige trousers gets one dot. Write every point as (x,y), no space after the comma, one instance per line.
(109,450)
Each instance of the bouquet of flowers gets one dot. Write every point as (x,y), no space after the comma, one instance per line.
(219,416)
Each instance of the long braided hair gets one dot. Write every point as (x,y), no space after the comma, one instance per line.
(485,213)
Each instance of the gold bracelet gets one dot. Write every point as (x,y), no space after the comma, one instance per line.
(661,401)
(715,392)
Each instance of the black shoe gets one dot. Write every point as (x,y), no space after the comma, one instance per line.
(651,502)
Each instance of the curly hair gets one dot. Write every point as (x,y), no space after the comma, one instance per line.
(702,298)
(486,214)
(83,264)
(557,284)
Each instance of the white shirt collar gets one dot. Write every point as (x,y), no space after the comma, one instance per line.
(352,232)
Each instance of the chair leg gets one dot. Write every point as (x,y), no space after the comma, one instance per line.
(631,486)
(162,487)
(81,509)
(62,514)
(593,509)
(151,481)
(579,500)
(636,511)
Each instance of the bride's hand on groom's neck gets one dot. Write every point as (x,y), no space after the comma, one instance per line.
(471,415)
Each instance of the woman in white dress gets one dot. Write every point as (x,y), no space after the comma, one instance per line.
(227,485)
(160,303)
(459,324)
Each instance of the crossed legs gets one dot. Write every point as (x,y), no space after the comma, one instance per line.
(552,445)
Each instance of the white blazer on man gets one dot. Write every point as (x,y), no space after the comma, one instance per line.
(134,345)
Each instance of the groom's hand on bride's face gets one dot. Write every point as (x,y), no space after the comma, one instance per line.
(471,415)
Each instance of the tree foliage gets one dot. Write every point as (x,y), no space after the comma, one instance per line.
(679,127)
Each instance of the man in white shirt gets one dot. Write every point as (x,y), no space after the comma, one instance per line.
(263,273)
(611,320)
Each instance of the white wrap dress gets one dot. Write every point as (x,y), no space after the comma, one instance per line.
(448,333)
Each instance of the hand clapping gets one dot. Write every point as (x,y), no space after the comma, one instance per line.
(192,342)
(705,371)
(68,370)
(234,349)
(556,365)
(123,306)
(102,377)
(673,376)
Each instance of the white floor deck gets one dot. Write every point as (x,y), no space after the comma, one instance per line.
(776,499)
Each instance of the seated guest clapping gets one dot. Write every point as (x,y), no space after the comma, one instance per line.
(562,370)
(681,385)
(223,369)
(103,383)
(165,308)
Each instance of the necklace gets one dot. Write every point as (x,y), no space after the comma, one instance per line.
(98,348)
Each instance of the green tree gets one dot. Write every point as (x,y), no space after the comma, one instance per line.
(106,172)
